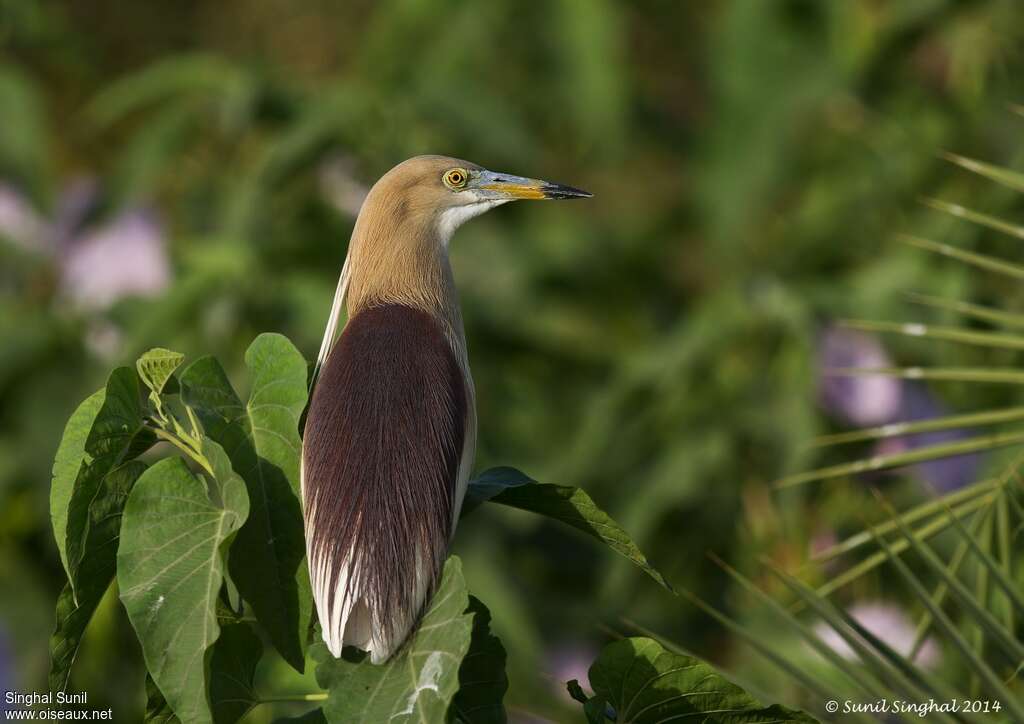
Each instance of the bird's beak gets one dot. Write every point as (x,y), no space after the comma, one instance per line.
(505,186)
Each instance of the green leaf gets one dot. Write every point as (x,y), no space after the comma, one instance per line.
(66,465)
(972,605)
(569,505)
(946,334)
(594,709)
(156,366)
(865,684)
(899,429)
(263,442)
(967,496)
(314,716)
(232,672)
(418,683)
(482,678)
(170,568)
(929,529)
(895,677)
(643,682)
(896,460)
(118,434)
(995,375)
(490,483)
(97,570)
(938,595)
(757,642)
(157,710)
(967,309)
(1004,176)
(943,623)
(987,220)
(576,691)
(999,576)
(982,261)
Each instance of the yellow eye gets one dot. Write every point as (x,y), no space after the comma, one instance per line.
(455,178)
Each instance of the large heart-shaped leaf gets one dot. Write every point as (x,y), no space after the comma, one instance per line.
(233,672)
(170,568)
(644,683)
(67,463)
(263,442)
(567,504)
(96,570)
(116,433)
(314,716)
(418,683)
(157,709)
(482,678)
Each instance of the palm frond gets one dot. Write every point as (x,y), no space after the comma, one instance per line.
(896,460)
(969,310)
(990,222)
(966,585)
(1003,176)
(948,334)
(982,261)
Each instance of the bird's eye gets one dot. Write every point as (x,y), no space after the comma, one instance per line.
(455,178)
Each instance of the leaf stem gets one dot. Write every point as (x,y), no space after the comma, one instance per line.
(322,696)
(184,447)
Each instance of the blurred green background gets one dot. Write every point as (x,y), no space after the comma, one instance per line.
(186,174)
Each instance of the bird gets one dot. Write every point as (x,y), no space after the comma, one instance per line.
(390,432)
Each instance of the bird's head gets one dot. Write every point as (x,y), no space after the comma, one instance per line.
(442,192)
(399,246)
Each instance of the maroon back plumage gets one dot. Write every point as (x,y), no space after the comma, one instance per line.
(383,441)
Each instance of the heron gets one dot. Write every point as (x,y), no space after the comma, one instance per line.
(390,433)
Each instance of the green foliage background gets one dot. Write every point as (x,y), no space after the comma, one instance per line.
(750,162)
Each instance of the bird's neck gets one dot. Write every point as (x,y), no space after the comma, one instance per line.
(402,264)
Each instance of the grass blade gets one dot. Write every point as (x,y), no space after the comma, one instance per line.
(876,559)
(939,594)
(991,682)
(955,374)
(900,429)
(883,670)
(798,673)
(981,261)
(910,516)
(1002,176)
(967,309)
(1005,550)
(981,592)
(872,687)
(979,615)
(946,334)
(923,454)
(998,575)
(990,222)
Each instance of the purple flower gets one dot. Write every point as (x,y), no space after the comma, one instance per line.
(859,400)
(876,400)
(126,257)
(98,265)
(945,474)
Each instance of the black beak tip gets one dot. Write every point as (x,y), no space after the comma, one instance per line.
(558,191)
